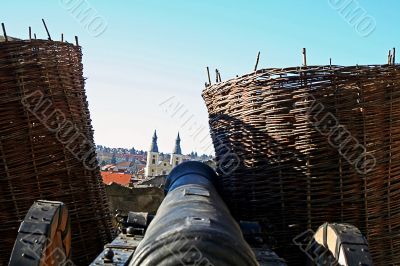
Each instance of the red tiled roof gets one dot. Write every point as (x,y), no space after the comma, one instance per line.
(119,178)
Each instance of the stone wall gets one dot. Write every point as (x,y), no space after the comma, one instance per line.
(137,199)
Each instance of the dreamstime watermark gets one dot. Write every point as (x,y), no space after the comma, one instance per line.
(355,15)
(65,131)
(228,161)
(338,136)
(186,252)
(317,253)
(198,132)
(83,12)
(32,247)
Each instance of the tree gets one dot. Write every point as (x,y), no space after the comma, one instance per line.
(113,159)
(132,151)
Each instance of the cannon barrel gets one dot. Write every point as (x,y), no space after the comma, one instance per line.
(193,226)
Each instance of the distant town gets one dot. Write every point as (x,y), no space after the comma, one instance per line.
(127,167)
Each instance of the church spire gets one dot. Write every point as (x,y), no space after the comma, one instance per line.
(177,149)
(154,147)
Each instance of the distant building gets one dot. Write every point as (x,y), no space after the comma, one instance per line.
(125,167)
(155,166)
(108,167)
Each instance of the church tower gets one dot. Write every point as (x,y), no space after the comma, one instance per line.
(177,157)
(152,157)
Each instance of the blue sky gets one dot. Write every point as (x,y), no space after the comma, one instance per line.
(152,51)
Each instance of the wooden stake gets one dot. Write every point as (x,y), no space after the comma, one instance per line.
(30,33)
(209,78)
(34,35)
(330,62)
(4,32)
(394,56)
(62,37)
(258,58)
(47,30)
(216,75)
(76,41)
(304,57)
(389,57)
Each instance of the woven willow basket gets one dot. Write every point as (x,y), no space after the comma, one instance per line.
(297,147)
(38,79)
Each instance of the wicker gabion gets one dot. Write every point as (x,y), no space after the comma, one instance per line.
(297,147)
(46,144)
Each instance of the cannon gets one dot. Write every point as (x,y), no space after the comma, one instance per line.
(193,226)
